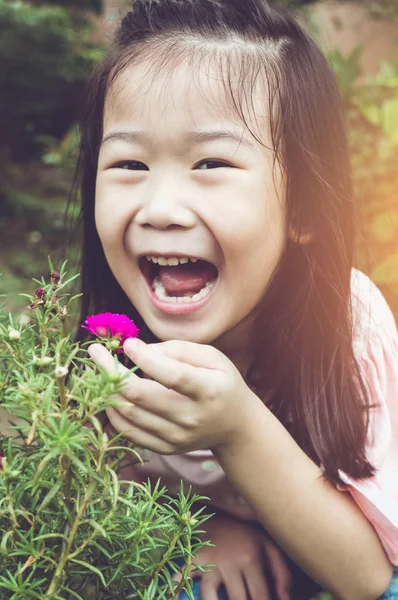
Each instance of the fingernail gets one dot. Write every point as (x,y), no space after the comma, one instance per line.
(93,350)
(132,344)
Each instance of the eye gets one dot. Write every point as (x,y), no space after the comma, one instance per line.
(212,164)
(130,165)
(135,165)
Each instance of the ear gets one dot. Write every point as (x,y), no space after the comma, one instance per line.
(299,237)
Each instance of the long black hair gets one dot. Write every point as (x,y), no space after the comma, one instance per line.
(303,340)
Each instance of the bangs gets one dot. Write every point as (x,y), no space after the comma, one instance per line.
(247,74)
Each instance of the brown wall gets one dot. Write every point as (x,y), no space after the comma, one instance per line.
(346,25)
(113,10)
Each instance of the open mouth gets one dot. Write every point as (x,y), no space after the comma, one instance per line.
(181,279)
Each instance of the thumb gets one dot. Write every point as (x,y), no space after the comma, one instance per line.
(197,355)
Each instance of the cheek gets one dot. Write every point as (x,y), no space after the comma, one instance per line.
(260,226)
(110,220)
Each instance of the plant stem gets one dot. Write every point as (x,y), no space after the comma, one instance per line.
(62,393)
(67,470)
(65,463)
(65,326)
(167,554)
(42,329)
(53,588)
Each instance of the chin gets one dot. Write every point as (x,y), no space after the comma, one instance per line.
(183,334)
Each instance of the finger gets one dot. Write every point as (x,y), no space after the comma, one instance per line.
(101,356)
(139,437)
(235,585)
(167,430)
(194,574)
(279,569)
(153,397)
(197,355)
(131,388)
(256,582)
(208,594)
(150,395)
(171,373)
(209,584)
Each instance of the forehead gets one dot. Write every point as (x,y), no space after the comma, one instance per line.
(190,93)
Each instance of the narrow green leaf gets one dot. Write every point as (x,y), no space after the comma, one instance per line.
(83,563)
(51,494)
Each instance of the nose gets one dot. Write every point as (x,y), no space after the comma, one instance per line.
(165,206)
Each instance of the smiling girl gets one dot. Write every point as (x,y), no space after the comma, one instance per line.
(218,213)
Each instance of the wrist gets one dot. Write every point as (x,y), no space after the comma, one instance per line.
(245,422)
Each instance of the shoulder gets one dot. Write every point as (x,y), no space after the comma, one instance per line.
(376,352)
(373,320)
(375,344)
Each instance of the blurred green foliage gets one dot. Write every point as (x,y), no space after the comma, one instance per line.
(46,54)
(93,5)
(372,109)
(45,57)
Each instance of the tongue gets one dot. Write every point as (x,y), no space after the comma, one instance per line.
(187,279)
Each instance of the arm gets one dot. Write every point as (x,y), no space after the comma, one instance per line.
(319,527)
(196,398)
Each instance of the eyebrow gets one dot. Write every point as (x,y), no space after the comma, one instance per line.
(193,137)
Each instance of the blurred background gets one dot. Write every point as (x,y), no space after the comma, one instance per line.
(48,48)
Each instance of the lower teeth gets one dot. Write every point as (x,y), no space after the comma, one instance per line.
(160,293)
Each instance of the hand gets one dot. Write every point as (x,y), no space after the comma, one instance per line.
(240,555)
(195,397)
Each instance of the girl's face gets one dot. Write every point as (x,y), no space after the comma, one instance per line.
(180,177)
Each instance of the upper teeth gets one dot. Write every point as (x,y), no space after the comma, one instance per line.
(172,261)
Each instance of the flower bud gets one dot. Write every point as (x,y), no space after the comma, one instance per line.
(114,377)
(62,312)
(114,344)
(187,519)
(55,277)
(3,463)
(61,372)
(40,295)
(43,361)
(13,335)
(13,474)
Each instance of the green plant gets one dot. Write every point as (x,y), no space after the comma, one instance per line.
(372,110)
(70,527)
(45,58)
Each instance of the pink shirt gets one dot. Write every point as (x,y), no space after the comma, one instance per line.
(376,349)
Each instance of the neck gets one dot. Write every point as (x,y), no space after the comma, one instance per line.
(237,345)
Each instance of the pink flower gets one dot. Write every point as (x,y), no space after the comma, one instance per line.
(112,325)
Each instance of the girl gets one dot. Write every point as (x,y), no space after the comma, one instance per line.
(271,365)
